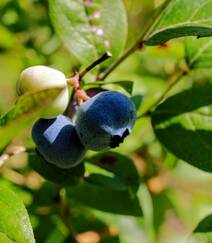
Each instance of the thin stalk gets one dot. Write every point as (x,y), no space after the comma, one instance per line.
(94,64)
(75,80)
(138,44)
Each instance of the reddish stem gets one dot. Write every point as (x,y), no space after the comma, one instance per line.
(80,93)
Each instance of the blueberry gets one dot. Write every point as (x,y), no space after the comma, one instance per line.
(57,141)
(105,120)
(37,78)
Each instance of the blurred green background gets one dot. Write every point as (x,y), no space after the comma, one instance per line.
(174,195)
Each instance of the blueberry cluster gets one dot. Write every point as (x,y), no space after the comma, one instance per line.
(102,122)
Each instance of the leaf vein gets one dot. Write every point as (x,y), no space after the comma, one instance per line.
(203,49)
(199,9)
(197,133)
(186,23)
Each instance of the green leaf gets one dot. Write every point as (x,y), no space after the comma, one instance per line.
(5,239)
(182,18)
(138,12)
(203,231)
(110,185)
(14,220)
(199,52)
(125,85)
(7,39)
(105,199)
(49,229)
(22,115)
(137,100)
(100,177)
(88,30)
(200,237)
(121,167)
(183,124)
(161,204)
(55,174)
(205,225)
(146,203)
(44,196)
(71,24)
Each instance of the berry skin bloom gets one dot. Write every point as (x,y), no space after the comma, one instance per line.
(105,120)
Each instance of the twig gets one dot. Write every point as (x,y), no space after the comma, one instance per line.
(94,64)
(138,44)
(75,80)
(15,149)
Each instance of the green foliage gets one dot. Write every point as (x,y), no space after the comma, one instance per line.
(24,113)
(198,52)
(99,197)
(139,191)
(4,238)
(85,35)
(185,129)
(137,100)
(125,85)
(182,18)
(203,231)
(57,175)
(161,204)
(205,225)
(117,179)
(120,166)
(14,221)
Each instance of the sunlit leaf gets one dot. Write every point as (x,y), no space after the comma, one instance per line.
(25,111)
(89,29)
(14,220)
(199,52)
(5,239)
(182,18)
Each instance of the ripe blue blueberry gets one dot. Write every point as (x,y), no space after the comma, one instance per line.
(57,141)
(105,120)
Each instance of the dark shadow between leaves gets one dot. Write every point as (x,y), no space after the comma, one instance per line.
(64,177)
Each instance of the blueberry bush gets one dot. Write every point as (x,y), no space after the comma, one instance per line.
(106,121)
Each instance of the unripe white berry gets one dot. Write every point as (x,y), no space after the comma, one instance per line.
(37,78)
